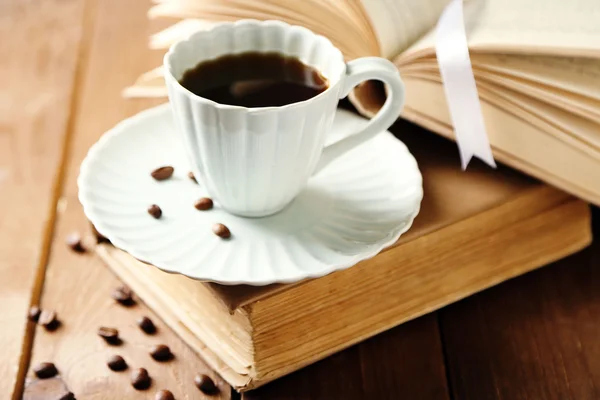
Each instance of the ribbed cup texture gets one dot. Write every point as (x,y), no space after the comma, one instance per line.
(361,203)
(253,161)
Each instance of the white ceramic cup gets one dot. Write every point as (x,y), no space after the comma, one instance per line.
(254,161)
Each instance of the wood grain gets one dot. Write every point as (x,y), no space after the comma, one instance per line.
(403,363)
(78,286)
(39,45)
(406,362)
(535,337)
(532,338)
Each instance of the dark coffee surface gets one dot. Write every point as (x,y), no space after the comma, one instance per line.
(254,80)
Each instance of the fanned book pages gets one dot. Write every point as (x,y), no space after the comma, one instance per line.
(536,64)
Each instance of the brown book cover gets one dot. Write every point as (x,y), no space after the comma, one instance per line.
(475,230)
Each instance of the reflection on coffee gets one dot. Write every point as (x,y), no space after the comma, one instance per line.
(254,79)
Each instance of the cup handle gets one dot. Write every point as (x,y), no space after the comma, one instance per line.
(357,71)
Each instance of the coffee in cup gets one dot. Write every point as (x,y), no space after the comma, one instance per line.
(254,79)
(254,101)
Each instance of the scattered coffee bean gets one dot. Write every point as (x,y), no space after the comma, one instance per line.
(204,204)
(162,173)
(155,211)
(45,370)
(140,379)
(221,231)
(147,325)
(110,335)
(116,363)
(67,396)
(48,320)
(161,353)
(74,242)
(164,395)
(99,237)
(192,177)
(34,313)
(205,384)
(123,295)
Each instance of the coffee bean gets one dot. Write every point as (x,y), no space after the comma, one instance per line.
(147,325)
(162,173)
(110,335)
(48,320)
(161,353)
(192,177)
(155,211)
(221,231)
(203,204)
(47,317)
(67,396)
(164,395)
(205,384)
(34,313)
(123,295)
(45,370)
(116,363)
(74,242)
(99,237)
(140,379)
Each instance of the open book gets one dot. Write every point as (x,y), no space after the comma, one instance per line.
(536,63)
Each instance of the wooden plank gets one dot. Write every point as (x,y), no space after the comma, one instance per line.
(77,286)
(336,377)
(403,363)
(535,337)
(38,59)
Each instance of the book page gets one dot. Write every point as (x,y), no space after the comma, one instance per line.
(572,84)
(577,75)
(525,139)
(576,130)
(575,103)
(501,155)
(551,27)
(399,23)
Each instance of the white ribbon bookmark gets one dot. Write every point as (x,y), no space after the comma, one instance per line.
(459,84)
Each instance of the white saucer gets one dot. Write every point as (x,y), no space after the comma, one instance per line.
(349,212)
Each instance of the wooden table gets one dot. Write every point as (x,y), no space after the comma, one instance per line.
(63,64)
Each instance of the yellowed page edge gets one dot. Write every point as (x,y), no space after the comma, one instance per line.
(521,140)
